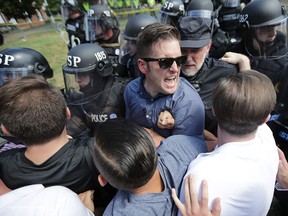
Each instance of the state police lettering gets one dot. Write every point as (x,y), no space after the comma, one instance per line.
(6,59)
(73,60)
(168,5)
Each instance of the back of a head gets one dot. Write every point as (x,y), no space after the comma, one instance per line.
(155,33)
(125,154)
(241,102)
(18,62)
(32,110)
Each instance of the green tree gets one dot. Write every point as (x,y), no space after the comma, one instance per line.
(19,8)
(54,6)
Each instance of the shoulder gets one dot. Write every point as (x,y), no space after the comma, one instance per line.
(179,143)
(221,64)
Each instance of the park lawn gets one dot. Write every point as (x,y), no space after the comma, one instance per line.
(48,43)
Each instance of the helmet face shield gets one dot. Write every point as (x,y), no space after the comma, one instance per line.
(7,74)
(73,88)
(127,47)
(268,42)
(200,13)
(64,13)
(167,19)
(93,28)
(86,92)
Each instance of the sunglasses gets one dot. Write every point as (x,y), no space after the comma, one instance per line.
(165,63)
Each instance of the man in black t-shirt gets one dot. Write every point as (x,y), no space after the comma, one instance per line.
(36,113)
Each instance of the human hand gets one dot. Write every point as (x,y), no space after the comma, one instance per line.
(87,198)
(210,140)
(192,206)
(282,175)
(165,120)
(241,60)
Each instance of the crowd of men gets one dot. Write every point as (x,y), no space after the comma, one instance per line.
(195,96)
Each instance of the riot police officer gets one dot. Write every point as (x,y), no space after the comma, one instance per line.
(93,93)
(102,27)
(264,41)
(171,11)
(128,54)
(74,22)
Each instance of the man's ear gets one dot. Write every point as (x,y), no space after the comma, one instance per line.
(142,66)
(5,131)
(68,113)
(209,47)
(267,119)
(102,181)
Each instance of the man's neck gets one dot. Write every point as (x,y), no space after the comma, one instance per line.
(224,137)
(39,153)
(154,185)
(148,89)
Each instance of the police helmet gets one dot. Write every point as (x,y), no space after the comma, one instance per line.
(128,37)
(102,16)
(88,58)
(71,4)
(171,11)
(68,8)
(229,15)
(258,17)
(136,24)
(259,13)
(200,8)
(85,73)
(19,62)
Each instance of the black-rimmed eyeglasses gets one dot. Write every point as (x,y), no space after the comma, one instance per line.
(165,63)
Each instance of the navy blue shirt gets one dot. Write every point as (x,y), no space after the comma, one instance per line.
(185,105)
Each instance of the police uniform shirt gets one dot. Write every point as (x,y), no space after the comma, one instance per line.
(205,80)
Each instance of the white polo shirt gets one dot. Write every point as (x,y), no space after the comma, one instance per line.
(242,174)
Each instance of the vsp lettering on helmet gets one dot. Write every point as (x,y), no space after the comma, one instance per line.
(18,62)
(5,59)
(72,61)
(169,5)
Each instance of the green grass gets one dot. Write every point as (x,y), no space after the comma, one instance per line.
(48,43)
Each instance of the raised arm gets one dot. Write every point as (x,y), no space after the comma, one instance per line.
(241,60)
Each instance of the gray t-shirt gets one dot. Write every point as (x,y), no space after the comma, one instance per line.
(175,153)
